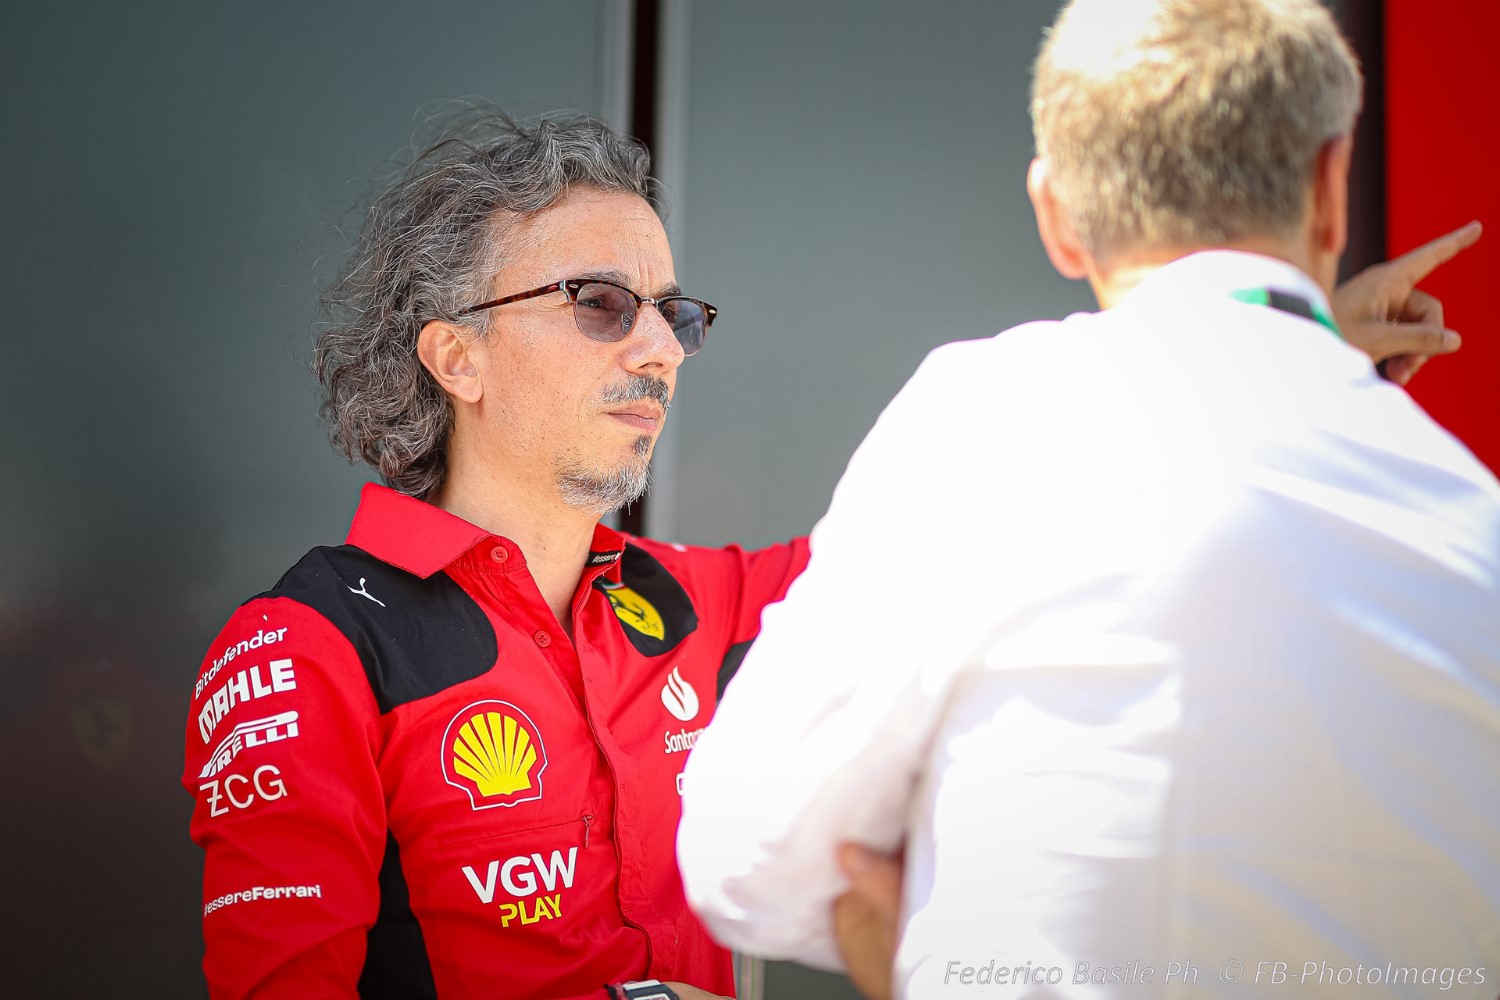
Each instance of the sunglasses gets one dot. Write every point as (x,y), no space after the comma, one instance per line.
(606,312)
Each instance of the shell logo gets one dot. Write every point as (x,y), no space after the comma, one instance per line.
(494,752)
(634,610)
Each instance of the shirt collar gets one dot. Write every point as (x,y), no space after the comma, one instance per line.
(408,533)
(1220,273)
(605,551)
(422,539)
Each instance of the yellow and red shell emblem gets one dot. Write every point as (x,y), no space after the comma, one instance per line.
(494,752)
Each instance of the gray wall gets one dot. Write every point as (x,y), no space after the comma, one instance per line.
(854,196)
(177,179)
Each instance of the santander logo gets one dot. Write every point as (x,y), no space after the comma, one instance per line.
(679,697)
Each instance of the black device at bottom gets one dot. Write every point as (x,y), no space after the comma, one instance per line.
(641,989)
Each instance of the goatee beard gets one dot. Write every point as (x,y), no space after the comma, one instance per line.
(603,492)
(589,489)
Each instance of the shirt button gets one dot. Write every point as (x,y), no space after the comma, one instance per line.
(499,554)
(542,638)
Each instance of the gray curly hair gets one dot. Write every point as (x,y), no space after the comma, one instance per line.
(430,246)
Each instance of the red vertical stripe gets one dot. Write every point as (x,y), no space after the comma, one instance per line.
(1442,102)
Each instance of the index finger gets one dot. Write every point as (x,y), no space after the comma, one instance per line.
(1414,265)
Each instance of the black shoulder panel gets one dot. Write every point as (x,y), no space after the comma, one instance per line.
(654,610)
(733,657)
(415,637)
(396,962)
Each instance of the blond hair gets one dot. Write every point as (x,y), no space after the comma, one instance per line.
(1179,123)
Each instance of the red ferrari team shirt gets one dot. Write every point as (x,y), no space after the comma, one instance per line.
(410,782)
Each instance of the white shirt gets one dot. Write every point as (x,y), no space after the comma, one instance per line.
(1167,634)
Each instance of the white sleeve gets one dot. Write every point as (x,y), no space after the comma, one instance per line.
(819,737)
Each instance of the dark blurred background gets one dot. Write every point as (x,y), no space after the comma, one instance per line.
(846,182)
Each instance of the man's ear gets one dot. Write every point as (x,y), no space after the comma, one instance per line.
(450,357)
(1063,246)
(1330,196)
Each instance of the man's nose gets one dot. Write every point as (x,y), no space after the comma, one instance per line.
(652,342)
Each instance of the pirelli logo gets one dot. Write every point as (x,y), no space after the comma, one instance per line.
(494,752)
(248,735)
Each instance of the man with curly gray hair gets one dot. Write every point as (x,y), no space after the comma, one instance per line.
(444,758)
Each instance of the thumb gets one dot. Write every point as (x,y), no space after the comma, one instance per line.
(873,876)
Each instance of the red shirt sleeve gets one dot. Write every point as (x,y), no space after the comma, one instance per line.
(732,584)
(281,749)
(764,574)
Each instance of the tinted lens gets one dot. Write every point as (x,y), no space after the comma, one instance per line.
(687,319)
(604,312)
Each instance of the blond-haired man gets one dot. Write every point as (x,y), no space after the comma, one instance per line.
(1194,683)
